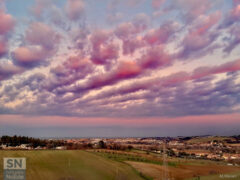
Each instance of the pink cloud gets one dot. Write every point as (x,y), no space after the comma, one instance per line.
(76,63)
(124,70)
(202,72)
(141,22)
(128,29)
(29,55)
(193,9)
(173,79)
(74,9)
(154,58)
(39,7)
(128,69)
(103,48)
(206,23)
(6,23)
(160,35)
(99,37)
(227,67)
(236,11)
(7,70)
(79,37)
(130,45)
(105,53)
(236,2)
(76,67)
(131,41)
(233,16)
(151,59)
(199,73)
(124,30)
(3,47)
(41,42)
(156,4)
(200,37)
(41,34)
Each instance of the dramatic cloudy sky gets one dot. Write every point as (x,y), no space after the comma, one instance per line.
(119,67)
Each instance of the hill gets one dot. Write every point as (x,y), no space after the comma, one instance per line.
(70,165)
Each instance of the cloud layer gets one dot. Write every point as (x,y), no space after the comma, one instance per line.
(162,59)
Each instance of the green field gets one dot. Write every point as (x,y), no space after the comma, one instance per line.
(150,165)
(71,165)
(115,165)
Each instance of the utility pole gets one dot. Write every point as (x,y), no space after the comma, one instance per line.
(165,163)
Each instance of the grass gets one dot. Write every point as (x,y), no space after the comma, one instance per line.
(150,165)
(114,165)
(183,172)
(71,165)
(126,156)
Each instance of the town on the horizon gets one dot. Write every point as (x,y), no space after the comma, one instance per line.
(216,148)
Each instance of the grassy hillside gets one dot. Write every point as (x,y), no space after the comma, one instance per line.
(70,165)
(151,166)
(115,165)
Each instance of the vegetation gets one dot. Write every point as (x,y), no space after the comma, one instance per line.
(74,165)
(14,141)
(126,156)
(151,166)
(31,142)
(114,160)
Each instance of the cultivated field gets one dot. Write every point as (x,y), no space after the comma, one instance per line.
(117,165)
(151,166)
(70,165)
(181,172)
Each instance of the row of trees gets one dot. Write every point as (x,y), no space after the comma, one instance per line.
(114,146)
(14,141)
(31,142)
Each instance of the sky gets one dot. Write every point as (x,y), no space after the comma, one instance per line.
(110,68)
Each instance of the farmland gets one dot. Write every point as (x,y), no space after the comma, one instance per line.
(109,164)
(70,165)
(152,166)
(182,158)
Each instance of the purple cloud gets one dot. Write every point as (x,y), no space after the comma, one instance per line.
(6,23)
(8,70)
(160,35)
(200,37)
(234,40)
(104,50)
(42,42)
(3,47)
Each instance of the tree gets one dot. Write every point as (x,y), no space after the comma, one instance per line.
(101,144)
(130,147)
